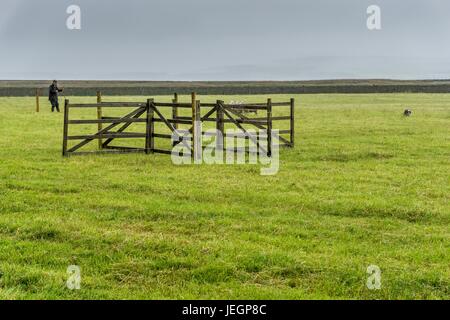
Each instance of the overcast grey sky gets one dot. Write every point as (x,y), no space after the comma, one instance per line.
(224,40)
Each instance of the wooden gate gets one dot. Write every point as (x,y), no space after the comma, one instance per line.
(116,128)
(166,120)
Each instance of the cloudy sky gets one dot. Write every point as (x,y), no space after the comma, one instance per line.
(224,40)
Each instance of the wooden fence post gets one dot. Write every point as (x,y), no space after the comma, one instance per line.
(66,127)
(194,120)
(150,129)
(37,99)
(269,127)
(175,114)
(198,132)
(292,122)
(220,128)
(175,109)
(99,117)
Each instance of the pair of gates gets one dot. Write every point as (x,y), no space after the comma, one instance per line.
(151,117)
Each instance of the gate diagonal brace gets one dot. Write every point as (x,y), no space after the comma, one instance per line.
(124,127)
(170,126)
(187,132)
(259,126)
(105,130)
(255,141)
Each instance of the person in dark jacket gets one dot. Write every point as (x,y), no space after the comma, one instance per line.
(53,95)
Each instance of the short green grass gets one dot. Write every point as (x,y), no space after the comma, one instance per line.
(363,186)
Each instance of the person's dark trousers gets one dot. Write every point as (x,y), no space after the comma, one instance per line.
(55,105)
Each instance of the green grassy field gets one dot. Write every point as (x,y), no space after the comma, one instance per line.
(364,186)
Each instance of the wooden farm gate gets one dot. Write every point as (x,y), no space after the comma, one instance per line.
(173,116)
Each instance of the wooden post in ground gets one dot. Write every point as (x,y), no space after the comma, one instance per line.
(292,122)
(175,114)
(149,137)
(220,128)
(198,133)
(99,117)
(194,120)
(37,99)
(66,127)
(269,127)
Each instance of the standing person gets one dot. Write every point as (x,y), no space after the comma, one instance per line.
(53,95)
